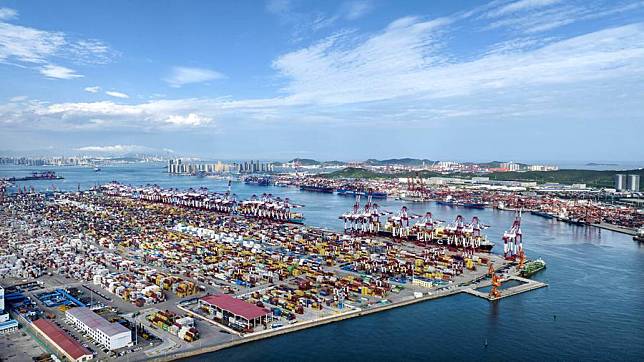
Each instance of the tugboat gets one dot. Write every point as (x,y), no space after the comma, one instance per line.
(533,267)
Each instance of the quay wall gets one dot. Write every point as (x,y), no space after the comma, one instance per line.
(619,229)
(301,326)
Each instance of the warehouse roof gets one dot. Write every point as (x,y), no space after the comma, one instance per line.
(95,321)
(62,340)
(236,306)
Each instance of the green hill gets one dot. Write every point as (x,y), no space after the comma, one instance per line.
(398,161)
(361,173)
(356,172)
(305,161)
(589,177)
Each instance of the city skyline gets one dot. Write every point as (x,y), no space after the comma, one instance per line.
(503,80)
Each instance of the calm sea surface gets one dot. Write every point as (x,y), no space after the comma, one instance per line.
(595,277)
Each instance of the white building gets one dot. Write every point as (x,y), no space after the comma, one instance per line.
(620,182)
(633,183)
(7,325)
(109,335)
(511,166)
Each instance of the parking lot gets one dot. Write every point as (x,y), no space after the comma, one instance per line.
(19,346)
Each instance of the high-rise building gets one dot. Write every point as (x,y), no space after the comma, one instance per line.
(620,182)
(633,183)
(255,166)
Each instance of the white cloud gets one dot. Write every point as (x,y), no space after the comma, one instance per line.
(25,46)
(301,21)
(58,72)
(278,6)
(18,99)
(94,89)
(406,59)
(116,94)
(521,5)
(357,9)
(114,149)
(535,16)
(88,51)
(404,74)
(191,119)
(187,75)
(7,13)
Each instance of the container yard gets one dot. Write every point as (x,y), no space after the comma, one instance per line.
(198,266)
(578,206)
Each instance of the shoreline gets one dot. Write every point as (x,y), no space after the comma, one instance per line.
(304,325)
(616,228)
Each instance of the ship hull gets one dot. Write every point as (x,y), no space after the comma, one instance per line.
(374,195)
(323,189)
(474,206)
(412,237)
(530,270)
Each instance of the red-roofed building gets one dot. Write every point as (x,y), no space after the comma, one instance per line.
(67,345)
(235,312)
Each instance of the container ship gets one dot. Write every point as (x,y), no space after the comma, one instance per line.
(257,180)
(414,198)
(547,215)
(457,234)
(447,201)
(353,193)
(317,188)
(473,205)
(533,267)
(267,207)
(483,243)
(35,176)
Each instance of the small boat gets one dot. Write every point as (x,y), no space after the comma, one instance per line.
(97,169)
(640,235)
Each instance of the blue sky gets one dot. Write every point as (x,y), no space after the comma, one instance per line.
(354,79)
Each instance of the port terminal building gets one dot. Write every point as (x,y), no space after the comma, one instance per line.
(7,325)
(63,342)
(109,335)
(235,312)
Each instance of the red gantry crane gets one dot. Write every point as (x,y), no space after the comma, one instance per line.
(512,239)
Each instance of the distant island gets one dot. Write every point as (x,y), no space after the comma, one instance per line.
(601,164)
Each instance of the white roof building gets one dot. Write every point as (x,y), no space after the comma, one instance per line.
(110,335)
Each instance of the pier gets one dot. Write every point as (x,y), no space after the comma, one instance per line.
(526,286)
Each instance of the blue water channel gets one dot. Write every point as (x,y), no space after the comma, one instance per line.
(593,308)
